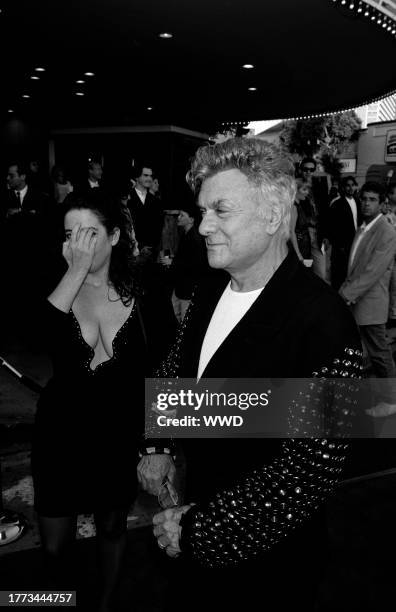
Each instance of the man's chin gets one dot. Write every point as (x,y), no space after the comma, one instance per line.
(216,262)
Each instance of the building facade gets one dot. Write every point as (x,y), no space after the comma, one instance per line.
(376,153)
(383,110)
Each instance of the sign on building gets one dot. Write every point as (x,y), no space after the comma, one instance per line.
(390,146)
(348,165)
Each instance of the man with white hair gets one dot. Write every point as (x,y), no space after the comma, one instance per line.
(252,525)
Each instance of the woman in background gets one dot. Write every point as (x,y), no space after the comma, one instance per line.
(190,262)
(300,222)
(62,187)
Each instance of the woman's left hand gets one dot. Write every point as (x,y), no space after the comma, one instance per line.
(167,529)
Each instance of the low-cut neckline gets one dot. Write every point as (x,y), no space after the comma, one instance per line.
(113,342)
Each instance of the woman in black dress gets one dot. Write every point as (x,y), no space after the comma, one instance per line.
(105,336)
(300,222)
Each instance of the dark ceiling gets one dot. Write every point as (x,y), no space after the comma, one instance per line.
(309,56)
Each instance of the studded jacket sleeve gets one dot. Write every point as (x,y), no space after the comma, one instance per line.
(263,508)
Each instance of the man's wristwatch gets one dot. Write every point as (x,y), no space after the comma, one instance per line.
(158,449)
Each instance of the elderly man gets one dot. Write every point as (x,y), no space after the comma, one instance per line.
(252,526)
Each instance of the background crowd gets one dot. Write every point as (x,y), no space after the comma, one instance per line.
(165,236)
(348,237)
(99,324)
(326,228)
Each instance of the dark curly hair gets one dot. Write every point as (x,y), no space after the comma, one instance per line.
(112,214)
(375,187)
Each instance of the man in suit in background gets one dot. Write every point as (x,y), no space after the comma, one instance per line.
(390,215)
(342,222)
(27,242)
(95,173)
(22,198)
(93,179)
(147,213)
(366,290)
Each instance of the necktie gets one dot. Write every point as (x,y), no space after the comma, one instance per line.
(18,198)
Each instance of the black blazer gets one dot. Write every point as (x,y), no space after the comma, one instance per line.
(30,242)
(297,327)
(340,228)
(147,219)
(84,188)
(34,203)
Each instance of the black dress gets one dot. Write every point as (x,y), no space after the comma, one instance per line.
(302,231)
(89,422)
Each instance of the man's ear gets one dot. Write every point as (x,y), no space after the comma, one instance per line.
(115,236)
(275,219)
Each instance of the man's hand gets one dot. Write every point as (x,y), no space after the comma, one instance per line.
(167,529)
(153,469)
(146,251)
(13,211)
(326,243)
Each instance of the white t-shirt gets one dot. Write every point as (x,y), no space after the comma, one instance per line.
(230,309)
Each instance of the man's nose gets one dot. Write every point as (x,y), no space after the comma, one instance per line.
(208,224)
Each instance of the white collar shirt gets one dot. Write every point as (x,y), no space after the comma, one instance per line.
(21,193)
(353,207)
(142,195)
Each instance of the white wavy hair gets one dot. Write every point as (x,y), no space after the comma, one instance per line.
(265,165)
